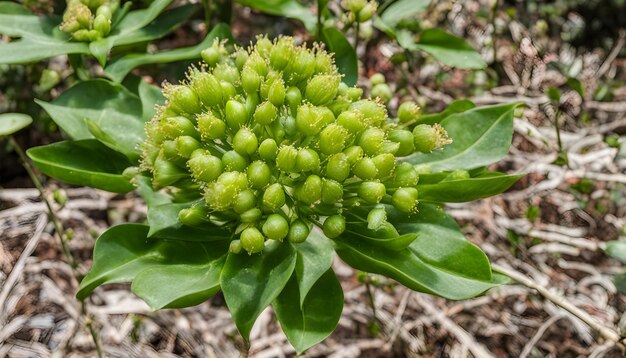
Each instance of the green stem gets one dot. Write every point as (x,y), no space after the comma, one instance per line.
(319,20)
(356,35)
(58,227)
(494,11)
(558,129)
(208,13)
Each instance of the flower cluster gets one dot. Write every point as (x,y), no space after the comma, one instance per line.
(272,142)
(360,10)
(80,22)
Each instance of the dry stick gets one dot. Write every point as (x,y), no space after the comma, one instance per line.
(540,332)
(606,332)
(60,233)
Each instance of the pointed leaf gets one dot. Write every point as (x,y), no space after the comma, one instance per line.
(118,131)
(287,8)
(446,48)
(83,162)
(480,136)
(403,9)
(345,55)
(251,283)
(88,99)
(13,122)
(315,257)
(617,250)
(458,191)
(26,51)
(458,106)
(310,323)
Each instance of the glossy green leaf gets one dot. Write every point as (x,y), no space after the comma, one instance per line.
(311,322)
(124,251)
(458,191)
(25,51)
(88,100)
(118,131)
(120,67)
(180,285)
(149,95)
(457,106)
(447,48)
(315,257)
(164,222)
(287,8)
(345,55)
(13,122)
(480,136)
(251,283)
(620,282)
(440,261)
(385,236)
(84,162)
(617,250)
(10,7)
(403,9)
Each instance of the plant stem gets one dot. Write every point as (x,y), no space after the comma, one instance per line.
(208,13)
(356,35)
(319,20)
(558,129)
(58,227)
(606,332)
(494,12)
(370,297)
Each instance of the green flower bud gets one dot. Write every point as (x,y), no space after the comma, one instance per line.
(241,57)
(174,127)
(372,140)
(365,168)
(353,153)
(259,174)
(250,80)
(166,173)
(244,201)
(377,79)
(293,96)
(332,192)
(268,150)
(193,216)
(374,113)
(170,152)
(236,114)
(425,138)
(382,91)
(183,99)
(405,139)
(81,14)
(354,93)
(226,72)
(311,119)
(406,175)
(457,175)
(311,191)
(235,246)
(334,226)
(408,111)
(265,113)
(333,139)
(354,5)
(212,55)
(236,180)
(251,216)
(307,160)
(376,218)
(102,24)
(264,46)
(186,145)
(104,11)
(321,89)
(303,65)
(228,90)
(298,232)
(207,87)
(276,93)
(234,161)
(245,141)
(385,164)
(273,197)
(353,121)
(257,63)
(367,12)
(210,127)
(286,159)
(323,62)
(372,192)
(338,167)
(282,53)
(423,169)
(276,227)
(252,240)
(204,166)
(405,200)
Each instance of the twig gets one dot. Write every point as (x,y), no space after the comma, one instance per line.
(540,332)
(606,332)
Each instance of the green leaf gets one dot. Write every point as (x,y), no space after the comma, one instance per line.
(89,99)
(251,283)
(26,51)
(617,250)
(120,67)
(161,26)
(403,9)
(10,7)
(150,95)
(315,257)
(287,8)
(458,191)
(385,236)
(118,131)
(181,285)
(311,322)
(124,251)
(480,136)
(440,261)
(13,122)
(84,162)
(620,282)
(164,223)
(458,106)
(345,56)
